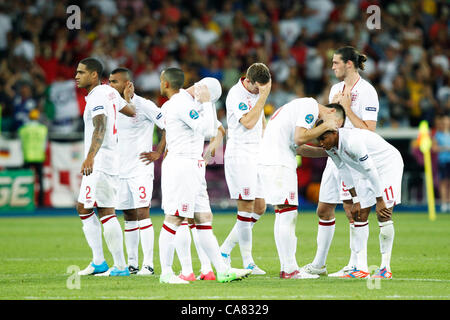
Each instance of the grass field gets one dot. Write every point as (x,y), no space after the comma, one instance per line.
(37,252)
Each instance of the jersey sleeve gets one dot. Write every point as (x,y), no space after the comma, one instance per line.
(369,104)
(358,150)
(333,91)
(309,113)
(153,113)
(237,106)
(344,171)
(97,103)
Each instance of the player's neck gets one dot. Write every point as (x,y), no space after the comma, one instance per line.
(351,79)
(170,93)
(92,86)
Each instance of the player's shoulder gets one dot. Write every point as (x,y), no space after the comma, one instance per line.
(366,86)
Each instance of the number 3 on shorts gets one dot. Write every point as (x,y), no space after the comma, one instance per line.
(143,195)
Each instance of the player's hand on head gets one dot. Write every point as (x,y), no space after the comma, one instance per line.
(128,91)
(264,89)
(201,93)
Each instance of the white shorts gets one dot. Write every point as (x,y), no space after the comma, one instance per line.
(391,183)
(243,179)
(99,190)
(183,187)
(280,185)
(135,192)
(332,188)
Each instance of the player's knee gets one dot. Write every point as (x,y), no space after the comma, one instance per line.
(81,210)
(260,207)
(325,211)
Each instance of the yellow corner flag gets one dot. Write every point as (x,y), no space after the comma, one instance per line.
(424,141)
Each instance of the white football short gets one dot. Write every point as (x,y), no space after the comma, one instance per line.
(135,192)
(391,183)
(99,190)
(243,179)
(280,185)
(183,187)
(332,188)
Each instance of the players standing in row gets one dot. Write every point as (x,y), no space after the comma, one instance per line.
(184,194)
(100,169)
(136,178)
(245,117)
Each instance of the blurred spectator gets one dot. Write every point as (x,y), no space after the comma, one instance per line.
(441,145)
(20,92)
(398,101)
(33,136)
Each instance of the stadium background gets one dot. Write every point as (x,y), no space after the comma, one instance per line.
(407,63)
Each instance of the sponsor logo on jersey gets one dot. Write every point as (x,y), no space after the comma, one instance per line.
(371,109)
(364,158)
(98,108)
(159,116)
(242,106)
(193,114)
(309,118)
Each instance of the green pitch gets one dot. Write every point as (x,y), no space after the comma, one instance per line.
(38,258)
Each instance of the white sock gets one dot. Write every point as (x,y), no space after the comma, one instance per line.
(386,241)
(287,239)
(131,232)
(276,234)
(182,244)
(360,244)
(352,261)
(204,260)
(209,244)
(114,239)
(255,217)
(166,247)
(92,230)
(325,235)
(147,234)
(231,240)
(244,227)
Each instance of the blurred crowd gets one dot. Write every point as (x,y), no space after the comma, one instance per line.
(408,56)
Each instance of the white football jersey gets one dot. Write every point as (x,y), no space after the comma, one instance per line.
(368,154)
(136,136)
(278,145)
(240,139)
(364,100)
(182,120)
(103,99)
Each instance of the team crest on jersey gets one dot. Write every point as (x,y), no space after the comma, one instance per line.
(309,118)
(193,114)
(185,207)
(292,195)
(242,106)
(246,191)
(354,96)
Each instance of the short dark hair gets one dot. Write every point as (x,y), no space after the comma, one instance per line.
(349,53)
(322,136)
(258,72)
(339,109)
(93,64)
(175,77)
(123,70)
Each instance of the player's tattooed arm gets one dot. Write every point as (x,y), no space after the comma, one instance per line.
(98,135)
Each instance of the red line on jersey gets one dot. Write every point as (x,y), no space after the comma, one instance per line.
(107,219)
(129,230)
(184,224)
(192,226)
(146,227)
(169,230)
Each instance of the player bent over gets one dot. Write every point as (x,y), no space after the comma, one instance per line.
(381,164)
(292,125)
(184,194)
(100,168)
(135,136)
